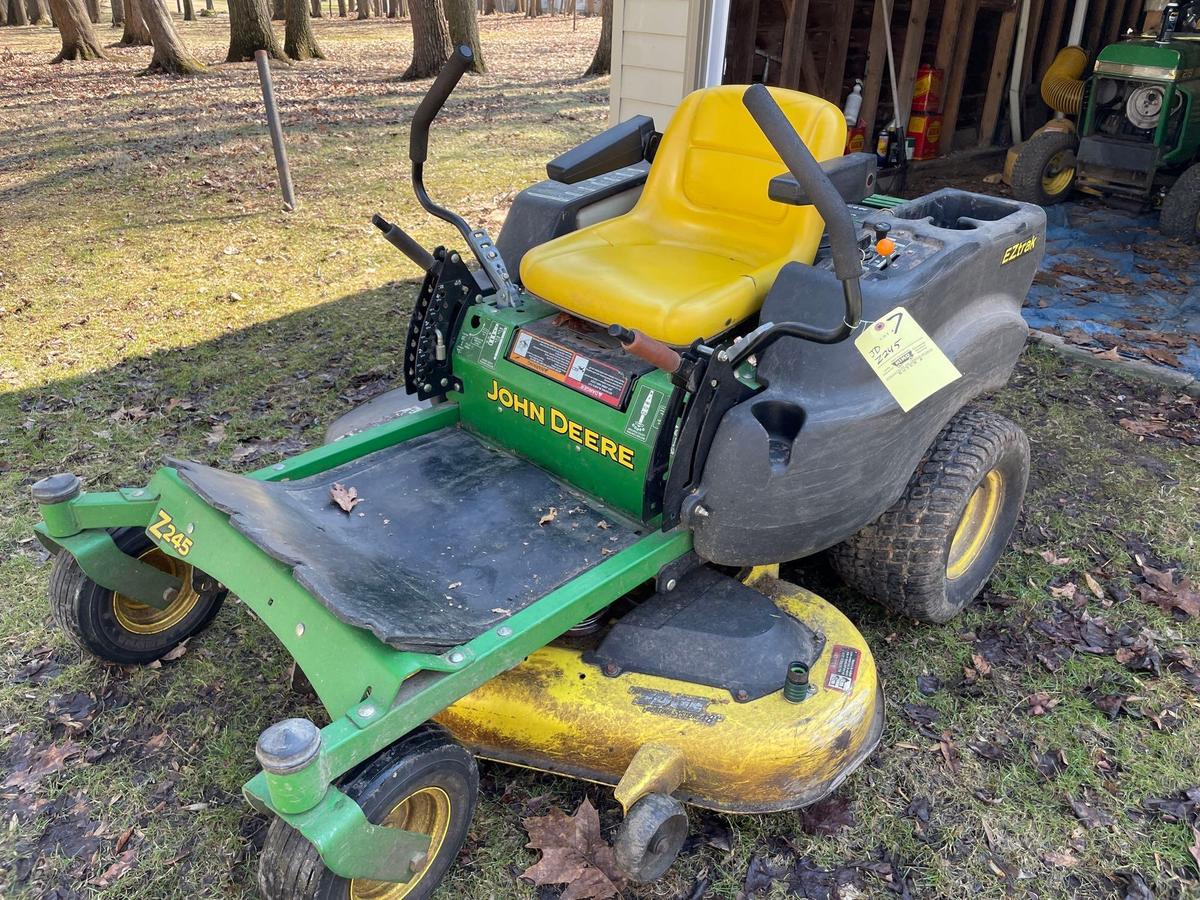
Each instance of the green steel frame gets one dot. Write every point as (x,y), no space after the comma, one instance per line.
(387,692)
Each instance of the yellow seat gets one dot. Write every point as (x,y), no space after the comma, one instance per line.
(704,243)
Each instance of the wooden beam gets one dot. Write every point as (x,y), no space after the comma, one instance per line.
(1115,17)
(1031,36)
(957,73)
(810,80)
(743,20)
(914,40)
(949,35)
(876,66)
(839,46)
(998,77)
(1050,37)
(793,45)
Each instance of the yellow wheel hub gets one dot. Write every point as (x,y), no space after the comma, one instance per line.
(976,524)
(426,811)
(1059,173)
(142,619)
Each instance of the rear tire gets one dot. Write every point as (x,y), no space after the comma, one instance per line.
(119,629)
(1180,217)
(427,777)
(931,552)
(1040,173)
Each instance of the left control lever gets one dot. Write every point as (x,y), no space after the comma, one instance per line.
(404,242)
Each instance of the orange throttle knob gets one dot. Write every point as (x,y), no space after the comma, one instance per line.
(885,247)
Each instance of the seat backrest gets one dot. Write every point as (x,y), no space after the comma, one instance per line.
(712,168)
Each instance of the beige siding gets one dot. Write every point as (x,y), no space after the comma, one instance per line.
(655,57)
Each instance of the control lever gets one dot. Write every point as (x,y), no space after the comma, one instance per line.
(647,348)
(403,241)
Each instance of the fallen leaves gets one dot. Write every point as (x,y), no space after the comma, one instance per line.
(827,817)
(573,853)
(549,516)
(28,772)
(345,497)
(124,862)
(1180,599)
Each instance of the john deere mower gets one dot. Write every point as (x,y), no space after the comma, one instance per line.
(714,359)
(1138,134)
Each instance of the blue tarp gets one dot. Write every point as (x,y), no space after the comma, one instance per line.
(1110,275)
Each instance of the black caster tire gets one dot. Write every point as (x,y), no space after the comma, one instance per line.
(1180,217)
(425,782)
(116,628)
(1044,171)
(650,837)
(931,552)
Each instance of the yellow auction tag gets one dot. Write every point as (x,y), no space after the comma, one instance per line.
(907,361)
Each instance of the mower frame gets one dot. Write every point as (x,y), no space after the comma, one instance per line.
(386,693)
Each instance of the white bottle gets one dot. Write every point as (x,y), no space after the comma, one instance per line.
(853,104)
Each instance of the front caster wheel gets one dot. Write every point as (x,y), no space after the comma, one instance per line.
(650,837)
(425,782)
(119,629)
(1044,172)
(930,553)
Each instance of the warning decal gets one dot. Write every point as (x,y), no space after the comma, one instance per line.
(910,365)
(843,668)
(598,380)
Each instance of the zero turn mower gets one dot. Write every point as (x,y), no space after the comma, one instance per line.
(568,557)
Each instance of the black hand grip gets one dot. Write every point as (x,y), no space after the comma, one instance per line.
(847,261)
(403,241)
(433,101)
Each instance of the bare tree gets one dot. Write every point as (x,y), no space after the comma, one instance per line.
(136,34)
(39,12)
(278,13)
(431,39)
(342,8)
(364,9)
(533,8)
(602,61)
(79,39)
(170,54)
(17,13)
(118,13)
(317,12)
(189,11)
(93,11)
(464,29)
(299,42)
(250,30)
(3,12)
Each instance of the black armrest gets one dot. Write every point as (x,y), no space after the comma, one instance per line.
(624,144)
(852,175)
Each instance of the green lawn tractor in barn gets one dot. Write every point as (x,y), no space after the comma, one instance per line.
(688,358)
(1138,133)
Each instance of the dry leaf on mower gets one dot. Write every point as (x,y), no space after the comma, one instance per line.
(573,853)
(549,517)
(344,497)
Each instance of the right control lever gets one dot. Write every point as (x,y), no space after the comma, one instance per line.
(647,348)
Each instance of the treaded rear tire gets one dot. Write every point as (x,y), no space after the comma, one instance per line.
(900,560)
(290,868)
(1031,165)
(1180,217)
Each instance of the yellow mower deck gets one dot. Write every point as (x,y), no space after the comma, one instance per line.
(556,713)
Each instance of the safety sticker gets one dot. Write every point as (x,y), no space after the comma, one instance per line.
(598,380)
(645,413)
(483,345)
(910,365)
(843,668)
(674,706)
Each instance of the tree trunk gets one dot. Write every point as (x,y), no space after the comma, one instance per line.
(136,33)
(118,13)
(170,54)
(278,12)
(250,30)
(464,29)
(299,42)
(393,9)
(602,61)
(533,8)
(342,8)
(189,11)
(39,12)
(93,11)
(364,9)
(317,11)
(3,12)
(431,39)
(489,7)
(79,39)
(17,13)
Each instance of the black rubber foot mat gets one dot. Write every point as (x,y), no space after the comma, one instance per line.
(446,543)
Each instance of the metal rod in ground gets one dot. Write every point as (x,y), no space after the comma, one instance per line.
(281,160)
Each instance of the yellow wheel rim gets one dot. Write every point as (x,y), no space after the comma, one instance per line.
(1059,173)
(976,524)
(142,619)
(426,811)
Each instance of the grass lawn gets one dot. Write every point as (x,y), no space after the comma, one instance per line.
(154,300)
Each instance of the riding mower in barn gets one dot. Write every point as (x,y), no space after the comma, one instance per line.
(567,555)
(1138,137)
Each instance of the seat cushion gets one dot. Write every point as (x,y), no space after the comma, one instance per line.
(703,244)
